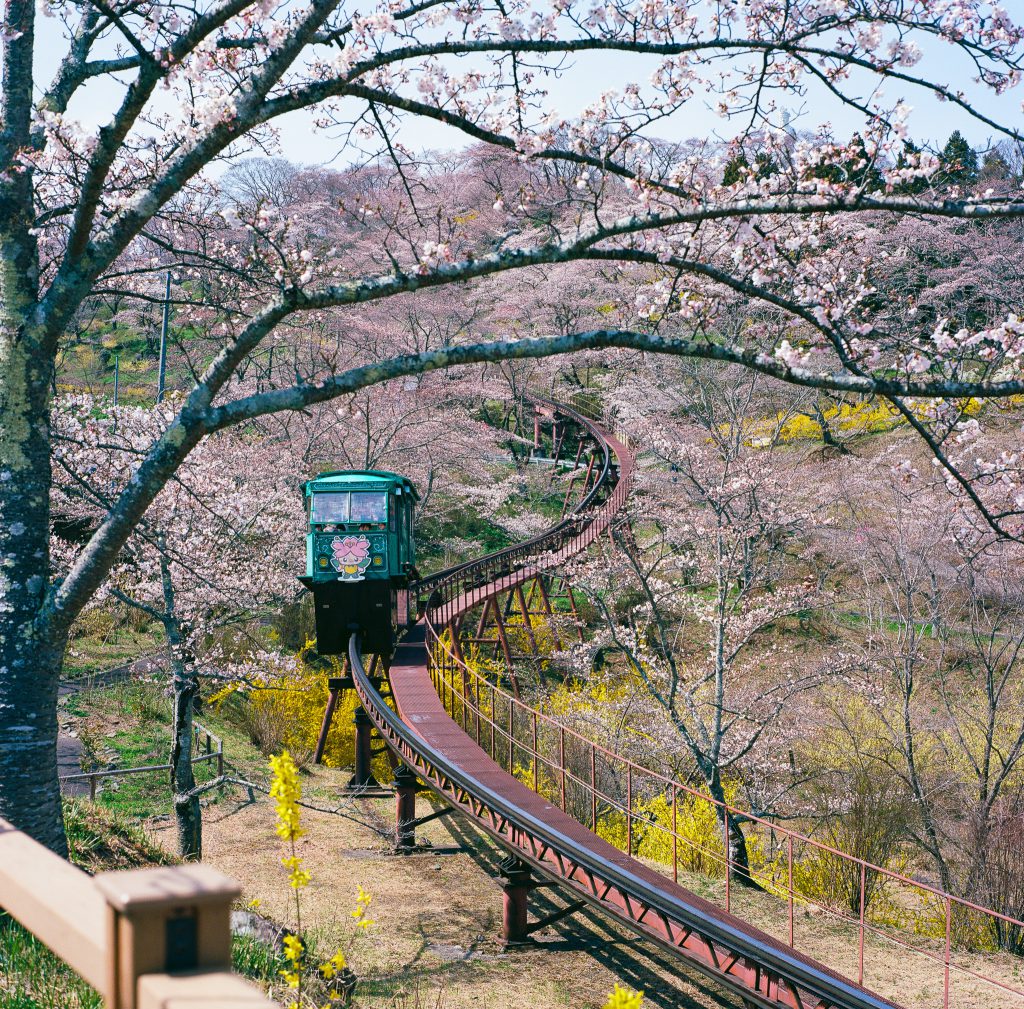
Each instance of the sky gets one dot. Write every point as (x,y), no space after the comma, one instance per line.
(930,122)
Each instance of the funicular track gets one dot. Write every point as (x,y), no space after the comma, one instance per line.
(537,834)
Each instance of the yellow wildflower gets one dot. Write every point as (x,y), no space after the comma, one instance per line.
(335,965)
(293,948)
(291,977)
(623,998)
(362,905)
(297,876)
(285,788)
(254,903)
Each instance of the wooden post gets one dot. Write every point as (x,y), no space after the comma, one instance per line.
(163,921)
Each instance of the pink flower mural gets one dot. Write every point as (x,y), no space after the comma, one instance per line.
(351,557)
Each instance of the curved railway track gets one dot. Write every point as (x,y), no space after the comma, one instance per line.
(540,837)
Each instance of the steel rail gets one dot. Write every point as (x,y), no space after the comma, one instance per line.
(572,522)
(752,964)
(447,778)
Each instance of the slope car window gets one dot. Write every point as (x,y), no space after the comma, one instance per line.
(332,507)
(369,507)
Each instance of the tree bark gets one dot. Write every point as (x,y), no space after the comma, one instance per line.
(185,683)
(739,856)
(31,650)
(31,657)
(187,811)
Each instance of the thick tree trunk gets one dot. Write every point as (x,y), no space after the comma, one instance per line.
(187,811)
(31,651)
(31,644)
(739,856)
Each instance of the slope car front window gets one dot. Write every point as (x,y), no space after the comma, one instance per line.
(329,507)
(369,506)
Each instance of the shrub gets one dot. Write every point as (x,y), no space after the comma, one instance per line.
(869,823)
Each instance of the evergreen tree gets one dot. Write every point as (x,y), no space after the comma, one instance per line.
(857,169)
(906,159)
(995,170)
(765,165)
(736,170)
(959,162)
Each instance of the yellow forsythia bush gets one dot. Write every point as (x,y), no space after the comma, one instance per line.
(285,707)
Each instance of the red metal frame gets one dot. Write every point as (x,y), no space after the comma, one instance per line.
(461,590)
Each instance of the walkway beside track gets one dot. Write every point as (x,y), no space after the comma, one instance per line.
(760,969)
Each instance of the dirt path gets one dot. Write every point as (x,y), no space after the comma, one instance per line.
(69,747)
(438,914)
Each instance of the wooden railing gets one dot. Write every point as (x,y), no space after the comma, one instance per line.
(144,939)
(203,742)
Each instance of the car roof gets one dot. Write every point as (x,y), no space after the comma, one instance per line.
(358,477)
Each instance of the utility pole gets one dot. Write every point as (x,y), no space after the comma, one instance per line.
(163,340)
(117,363)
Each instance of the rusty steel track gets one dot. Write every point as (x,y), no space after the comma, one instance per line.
(758,968)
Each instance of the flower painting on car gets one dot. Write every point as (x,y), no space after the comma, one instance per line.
(350,557)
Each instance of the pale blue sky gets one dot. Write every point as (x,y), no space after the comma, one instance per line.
(931,120)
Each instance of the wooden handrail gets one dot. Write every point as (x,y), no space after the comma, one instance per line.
(57,902)
(144,939)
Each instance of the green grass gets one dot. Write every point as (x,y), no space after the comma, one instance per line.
(255,959)
(31,977)
(101,839)
(140,735)
(100,642)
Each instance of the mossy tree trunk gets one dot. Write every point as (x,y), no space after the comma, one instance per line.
(31,644)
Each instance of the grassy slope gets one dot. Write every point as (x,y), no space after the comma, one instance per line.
(30,976)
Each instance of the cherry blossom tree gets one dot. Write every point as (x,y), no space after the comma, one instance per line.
(197,85)
(217,549)
(707,570)
(942,658)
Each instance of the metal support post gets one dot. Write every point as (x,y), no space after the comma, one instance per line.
(363,778)
(405,809)
(325,726)
(516,886)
